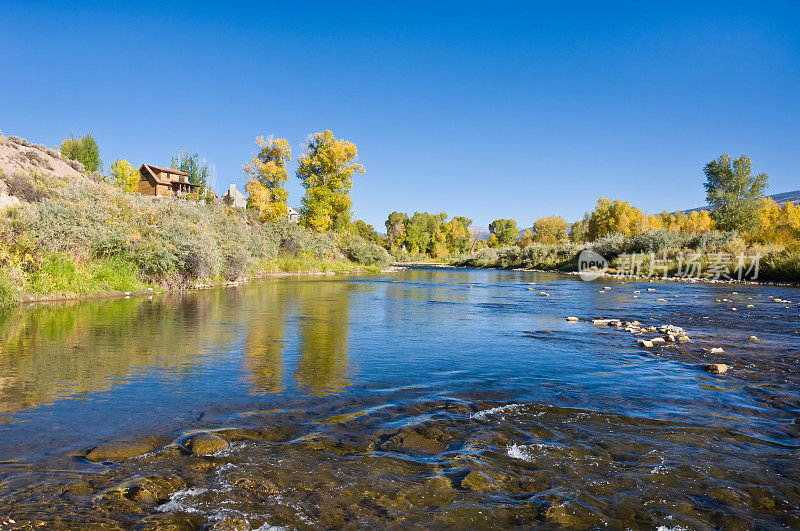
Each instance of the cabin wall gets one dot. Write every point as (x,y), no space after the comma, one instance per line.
(145,188)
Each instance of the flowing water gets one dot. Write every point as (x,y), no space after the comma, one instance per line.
(423,398)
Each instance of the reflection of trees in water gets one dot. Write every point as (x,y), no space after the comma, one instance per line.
(263,353)
(49,352)
(76,348)
(322,368)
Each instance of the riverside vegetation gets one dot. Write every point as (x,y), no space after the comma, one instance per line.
(78,235)
(741,226)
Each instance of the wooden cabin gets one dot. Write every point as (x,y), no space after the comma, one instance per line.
(169,182)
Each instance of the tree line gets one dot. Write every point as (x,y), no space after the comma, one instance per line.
(734,193)
(328,165)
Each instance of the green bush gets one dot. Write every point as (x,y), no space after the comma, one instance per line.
(610,245)
(655,241)
(8,291)
(781,266)
(360,251)
(712,240)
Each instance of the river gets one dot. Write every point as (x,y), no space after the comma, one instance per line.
(420,398)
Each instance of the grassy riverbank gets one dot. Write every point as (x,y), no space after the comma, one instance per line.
(652,255)
(74,237)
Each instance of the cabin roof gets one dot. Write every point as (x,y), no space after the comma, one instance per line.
(153,171)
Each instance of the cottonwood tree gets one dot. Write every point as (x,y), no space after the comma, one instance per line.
(326,170)
(614,216)
(503,232)
(396,229)
(733,192)
(123,175)
(267,171)
(551,229)
(84,150)
(457,234)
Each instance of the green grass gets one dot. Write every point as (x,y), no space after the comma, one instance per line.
(61,275)
(299,264)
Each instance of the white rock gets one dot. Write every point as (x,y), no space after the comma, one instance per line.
(716,350)
(645,343)
(753,338)
(572,319)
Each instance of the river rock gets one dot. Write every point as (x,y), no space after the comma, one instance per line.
(658,340)
(572,319)
(753,338)
(645,343)
(684,339)
(119,450)
(716,368)
(205,443)
(716,350)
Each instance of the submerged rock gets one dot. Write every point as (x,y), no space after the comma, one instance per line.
(753,338)
(426,441)
(119,450)
(137,493)
(716,368)
(205,443)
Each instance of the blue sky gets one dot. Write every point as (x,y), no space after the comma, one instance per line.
(487,110)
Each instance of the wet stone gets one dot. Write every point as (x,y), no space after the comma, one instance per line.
(135,494)
(428,442)
(119,450)
(205,443)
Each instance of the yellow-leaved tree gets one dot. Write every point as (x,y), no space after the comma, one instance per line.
(123,175)
(326,170)
(267,172)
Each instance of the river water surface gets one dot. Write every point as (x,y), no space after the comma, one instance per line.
(423,398)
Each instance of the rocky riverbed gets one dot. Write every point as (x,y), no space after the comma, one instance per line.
(446,398)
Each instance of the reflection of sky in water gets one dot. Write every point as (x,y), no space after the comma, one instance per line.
(93,370)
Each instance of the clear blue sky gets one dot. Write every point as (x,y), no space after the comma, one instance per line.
(481,109)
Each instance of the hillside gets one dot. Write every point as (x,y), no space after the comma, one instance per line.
(17,155)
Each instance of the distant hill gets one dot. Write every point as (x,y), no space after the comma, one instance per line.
(781,199)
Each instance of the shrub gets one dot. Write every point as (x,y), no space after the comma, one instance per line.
(361,251)
(610,245)
(712,240)
(8,291)
(236,263)
(655,241)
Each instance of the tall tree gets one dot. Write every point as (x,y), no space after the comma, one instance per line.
(551,229)
(84,150)
(421,232)
(396,229)
(123,175)
(457,234)
(733,192)
(367,232)
(267,171)
(614,216)
(577,233)
(326,170)
(192,164)
(503,232)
